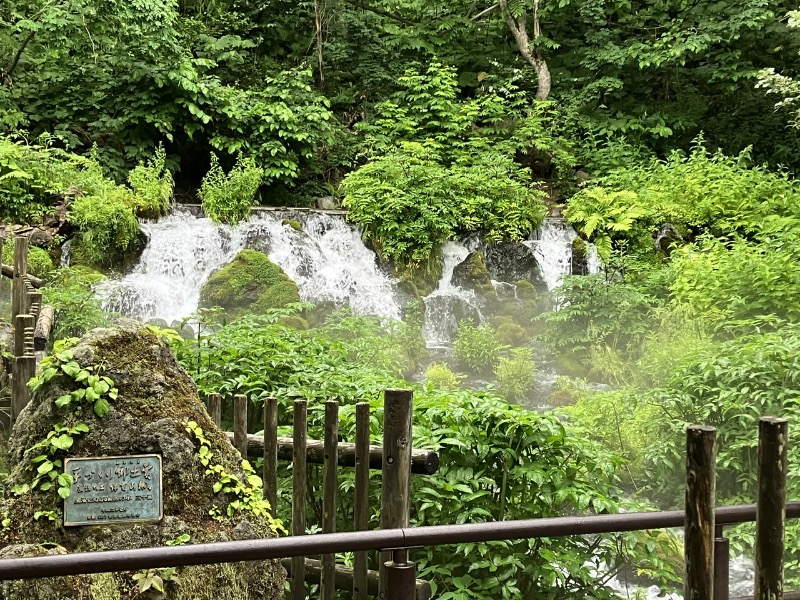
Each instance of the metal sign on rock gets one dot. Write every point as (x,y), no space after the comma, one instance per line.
(120,489)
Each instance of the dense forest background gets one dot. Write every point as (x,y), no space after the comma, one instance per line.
(666,132)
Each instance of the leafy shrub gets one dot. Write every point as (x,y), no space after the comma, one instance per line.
(77,309)
(440,377)
(516,374)
(39,262)
(409,203)
(228,198)
(588,316)
(18,186)
(107,227)
(152,185)
(704,191)
(476,348)
(738,284)
(394,346)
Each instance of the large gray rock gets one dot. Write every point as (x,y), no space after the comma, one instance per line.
(156,400)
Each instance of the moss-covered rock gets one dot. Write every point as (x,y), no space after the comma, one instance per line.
(293,223)
(250,283)
(511,334)
(473,274)
(156,399)
(526,290)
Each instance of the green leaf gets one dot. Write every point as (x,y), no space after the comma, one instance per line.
(101,407)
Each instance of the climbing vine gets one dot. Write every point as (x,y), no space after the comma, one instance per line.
(248,495)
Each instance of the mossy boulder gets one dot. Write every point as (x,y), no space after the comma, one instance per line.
(473,274)
(156,400)
(250,283)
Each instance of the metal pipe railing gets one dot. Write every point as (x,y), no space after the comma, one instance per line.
(264,549)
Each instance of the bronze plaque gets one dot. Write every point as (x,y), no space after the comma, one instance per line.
(120,489)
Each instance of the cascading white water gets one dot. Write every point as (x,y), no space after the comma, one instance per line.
(448,302)
(326,259)
(552,246)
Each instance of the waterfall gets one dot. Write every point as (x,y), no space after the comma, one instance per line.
(552,246)
(449,303)
(326,259)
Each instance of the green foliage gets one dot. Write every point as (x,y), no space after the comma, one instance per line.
(228,198)
(47,463)
(39,262)
(396,347)
(588,315)
(155,579)
(498,461)
(248,496)
(476,348)
(440,377)
(152,185)
(409,204)
(77,309)
(108,228)
(94,389)
(741,284)
(516,374)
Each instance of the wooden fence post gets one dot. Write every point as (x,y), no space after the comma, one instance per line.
(240,424)
(215,408)
(771,508)
(270,473)
(20,271)
(330,483)
(361,505)
(396,473)
(700,499)
(299,494)
(24,366)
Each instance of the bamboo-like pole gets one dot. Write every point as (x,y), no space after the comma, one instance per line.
(700,499)
(773,438)
(330,483)
(361,504)
(299,493)
(396,473)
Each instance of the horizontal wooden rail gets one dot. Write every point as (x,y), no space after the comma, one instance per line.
(423,462)
(8,271)
(309,545)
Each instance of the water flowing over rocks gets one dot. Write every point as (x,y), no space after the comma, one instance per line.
(156,400)
(325,258)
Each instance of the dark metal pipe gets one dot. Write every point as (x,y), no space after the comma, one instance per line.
(309,545)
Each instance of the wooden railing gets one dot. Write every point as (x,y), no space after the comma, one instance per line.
(396,459)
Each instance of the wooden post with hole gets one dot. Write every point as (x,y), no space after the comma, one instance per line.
(700,500)
(771,507)
(396,473)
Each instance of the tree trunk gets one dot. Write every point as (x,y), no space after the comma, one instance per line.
(518,27)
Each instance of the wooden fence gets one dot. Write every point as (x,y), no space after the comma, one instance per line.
(396,459)
(32,323)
